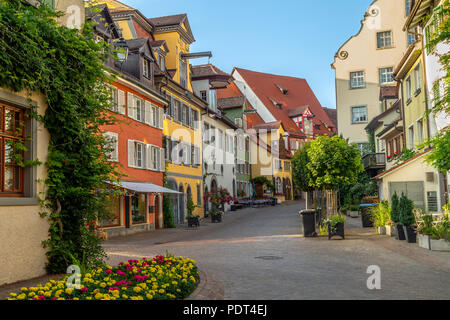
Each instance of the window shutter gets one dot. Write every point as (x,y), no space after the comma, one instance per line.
(163,161)
(161,118)
(121,101)
(130,105)
(171,106)
(157,114)
(131,160)
(148,112)
(180,112)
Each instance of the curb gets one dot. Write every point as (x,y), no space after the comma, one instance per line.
(209,288)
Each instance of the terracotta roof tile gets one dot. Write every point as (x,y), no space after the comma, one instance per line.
(294,92)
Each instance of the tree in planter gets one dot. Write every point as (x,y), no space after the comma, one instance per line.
(333,163)
(193,220)
(395,209)
(407,219)
(406,215)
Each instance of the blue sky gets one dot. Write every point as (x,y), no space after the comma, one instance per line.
(288,37)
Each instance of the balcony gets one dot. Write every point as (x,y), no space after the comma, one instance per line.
(374,161)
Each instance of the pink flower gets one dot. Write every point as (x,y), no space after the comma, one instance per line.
(109,271)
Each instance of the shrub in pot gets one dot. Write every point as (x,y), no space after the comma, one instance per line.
(216,216)
(335,225)
(425,231)
(354,211)
(395,217)
(391,229)
(440,235)
(193,220)
(380,215)
(407,218)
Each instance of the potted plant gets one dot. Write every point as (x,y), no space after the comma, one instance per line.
(425,231)
(335,225)
(219,199)
(440,237)
(395,216)
(354,211)
(193,220)
(407,218)
(380,215)
(391,230)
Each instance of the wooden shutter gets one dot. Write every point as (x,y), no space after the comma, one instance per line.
(163,160)
(161,118)
(148,112)
(121,101)
(171,106)
(157,115)
(131,160)
(130,105)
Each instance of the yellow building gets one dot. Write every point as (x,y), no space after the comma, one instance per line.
(418,180)
(270,158)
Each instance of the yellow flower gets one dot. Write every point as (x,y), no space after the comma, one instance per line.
(69,291)
(161,291)
(21,296)
(124,296)
(98,296)
(24,289)
(137,289)
(103,285)
(149,296)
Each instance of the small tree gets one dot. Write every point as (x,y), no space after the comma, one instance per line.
(333,163)
(395,214)
(406,215)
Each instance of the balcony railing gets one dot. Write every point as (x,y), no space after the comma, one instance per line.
(374,161)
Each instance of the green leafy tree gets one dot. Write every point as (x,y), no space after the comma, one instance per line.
(438,156)
(332,163)
(300,172)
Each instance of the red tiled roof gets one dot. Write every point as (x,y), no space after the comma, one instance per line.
(230,91)
(298,93)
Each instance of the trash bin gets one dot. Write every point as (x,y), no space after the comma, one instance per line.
(274,202)
(309,222)
(366,219)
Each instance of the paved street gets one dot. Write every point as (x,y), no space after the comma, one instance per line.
(260,254)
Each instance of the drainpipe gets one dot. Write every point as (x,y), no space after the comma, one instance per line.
(402,112)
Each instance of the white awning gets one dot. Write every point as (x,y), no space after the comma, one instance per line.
(143,187)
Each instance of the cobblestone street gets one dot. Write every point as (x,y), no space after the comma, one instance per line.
(261,254)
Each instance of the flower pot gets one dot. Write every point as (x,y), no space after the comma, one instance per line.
(381,230)
(193,222)
(391,231)
(400,235)
(216,218)
(338,232)
(424,241)
(440,245)
(354,214)
(410,234)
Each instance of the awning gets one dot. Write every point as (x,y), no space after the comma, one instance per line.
(143,187)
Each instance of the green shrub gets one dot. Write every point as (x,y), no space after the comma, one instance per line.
(168,213)
(395,214)
(381,214)
(406,215)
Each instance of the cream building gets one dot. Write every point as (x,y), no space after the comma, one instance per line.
(365,63)
(22,229)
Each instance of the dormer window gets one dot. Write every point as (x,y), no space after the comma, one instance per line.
(276,104)
(283,90)
(147,68)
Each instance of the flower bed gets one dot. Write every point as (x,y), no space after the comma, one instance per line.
(160,278)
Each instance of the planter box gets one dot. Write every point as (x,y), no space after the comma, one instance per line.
(339,231)
(216,218)
(440,245)
(354,214)
(193,222)
(381,230)
(391,231)
(400,234)
(410,234)
(424,241)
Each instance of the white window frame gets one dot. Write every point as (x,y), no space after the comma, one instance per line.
(386,38)
(113,139)
(384,73)
(360,116)
(357,80)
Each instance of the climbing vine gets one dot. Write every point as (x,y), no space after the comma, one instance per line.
(66,66)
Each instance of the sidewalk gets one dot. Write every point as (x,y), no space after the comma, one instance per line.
(435,259)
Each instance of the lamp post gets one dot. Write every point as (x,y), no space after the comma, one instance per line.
(122,54)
